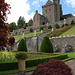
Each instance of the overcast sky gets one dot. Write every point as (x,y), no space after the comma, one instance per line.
(27,8)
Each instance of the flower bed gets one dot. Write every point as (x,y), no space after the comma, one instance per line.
(9,62)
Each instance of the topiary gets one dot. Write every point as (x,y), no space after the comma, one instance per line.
(22,46)
(46,45)
(49,27)
(72,22)
(41,28)
(31,30)
(53,67)
(57,26)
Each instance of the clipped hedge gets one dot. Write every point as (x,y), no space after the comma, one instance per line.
(22,45)
(46,45)
(31,62)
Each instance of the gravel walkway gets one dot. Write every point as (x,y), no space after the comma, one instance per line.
(71,64)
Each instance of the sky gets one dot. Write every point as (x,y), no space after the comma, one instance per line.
(27,8)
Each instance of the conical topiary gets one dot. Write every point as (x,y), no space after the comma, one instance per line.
(46,45)
(22,46)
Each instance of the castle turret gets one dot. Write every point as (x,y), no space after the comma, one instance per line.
(56,1)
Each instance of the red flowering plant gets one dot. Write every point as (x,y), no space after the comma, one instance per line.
(53,67)
(11,42)
(4,10)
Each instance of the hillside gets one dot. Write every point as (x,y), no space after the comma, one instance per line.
(69,32)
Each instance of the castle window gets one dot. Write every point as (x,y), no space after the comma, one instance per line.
(49,9)
(46,11)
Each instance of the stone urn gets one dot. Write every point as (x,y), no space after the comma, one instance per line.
(21,56)
(21,66)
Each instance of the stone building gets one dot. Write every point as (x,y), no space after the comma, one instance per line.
(51,13)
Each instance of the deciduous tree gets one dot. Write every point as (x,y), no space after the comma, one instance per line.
(4,10)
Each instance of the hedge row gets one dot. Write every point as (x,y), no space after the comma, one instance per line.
(30,62)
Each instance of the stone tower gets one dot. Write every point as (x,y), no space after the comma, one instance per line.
(51,13)
(57,10)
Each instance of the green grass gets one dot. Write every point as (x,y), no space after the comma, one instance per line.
(16,71)
(28,69)
(17,37)
(69,32)
(71,55)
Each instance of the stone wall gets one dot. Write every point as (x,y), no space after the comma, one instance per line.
(33,43)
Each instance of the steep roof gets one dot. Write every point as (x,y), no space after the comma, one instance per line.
(48,2)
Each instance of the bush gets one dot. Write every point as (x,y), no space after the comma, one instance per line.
(41,28)
(31,62)
(22,46)
(49,27)
(21,55)
(53,67)
(46,45)
(57,26)
(72,22)
(31,30)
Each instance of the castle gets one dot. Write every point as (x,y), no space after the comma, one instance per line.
(51,13)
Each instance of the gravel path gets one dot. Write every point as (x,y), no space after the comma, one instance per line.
(71,64)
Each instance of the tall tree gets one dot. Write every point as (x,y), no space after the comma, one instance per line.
(12,26)
(30,23)
(4,10)
(21,22)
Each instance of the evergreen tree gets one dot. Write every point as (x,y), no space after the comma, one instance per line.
(22,46)
(21,22)
(46,45)
(30,23)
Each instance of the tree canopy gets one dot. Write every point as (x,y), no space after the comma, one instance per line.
(21,22)
(4,10)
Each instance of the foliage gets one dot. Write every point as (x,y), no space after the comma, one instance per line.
(22,46)
(12,62)
(57,26)
(41,28)
(11,41)
(72,22)
(4,10)
(31,30)
(49,27)
(12,26)
(46,45)
(59,31)
(21,22)
(30,23)
(53,67)
(21,55)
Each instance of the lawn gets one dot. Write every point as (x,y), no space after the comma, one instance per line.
(69,32)
(17,37)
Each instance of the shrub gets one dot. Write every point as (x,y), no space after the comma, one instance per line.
(72,22)
(46,45)
(56,26)
(11,41)
(21,55)
(53,67)
(49,27)
(31,30)
(41,28)
(22,46)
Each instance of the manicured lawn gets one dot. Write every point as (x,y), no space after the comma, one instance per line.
(71,55)
(17,37)
(69,32)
